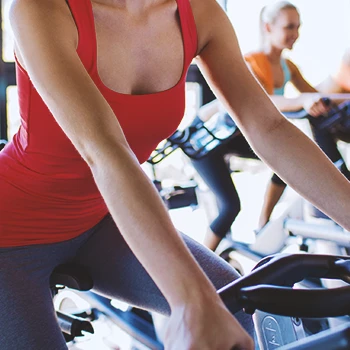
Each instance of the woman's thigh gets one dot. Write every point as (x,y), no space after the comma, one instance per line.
(28,320)
(118,274)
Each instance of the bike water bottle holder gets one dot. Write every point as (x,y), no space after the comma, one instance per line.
(336,117)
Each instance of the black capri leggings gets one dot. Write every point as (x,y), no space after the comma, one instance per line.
(216,174)
(28,320)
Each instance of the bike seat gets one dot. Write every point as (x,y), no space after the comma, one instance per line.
(72,276)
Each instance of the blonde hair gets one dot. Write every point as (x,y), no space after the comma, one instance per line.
(269,14)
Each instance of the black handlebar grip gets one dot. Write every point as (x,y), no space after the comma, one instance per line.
(283,270)
(297,302)
(327,101)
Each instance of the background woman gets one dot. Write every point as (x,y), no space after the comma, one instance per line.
(280,23)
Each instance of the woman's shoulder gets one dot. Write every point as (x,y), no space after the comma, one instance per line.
(30,23)
(36,11)
(209,19)
(32,6)
(257,59)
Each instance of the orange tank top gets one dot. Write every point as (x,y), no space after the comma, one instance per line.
(47,190)
(261,68)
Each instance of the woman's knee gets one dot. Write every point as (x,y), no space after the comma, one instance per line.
(220,273)
(218,270)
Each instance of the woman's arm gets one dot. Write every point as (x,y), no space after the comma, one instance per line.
(305,100)
(298,80)
(309,99)
(296,158)
(287,104)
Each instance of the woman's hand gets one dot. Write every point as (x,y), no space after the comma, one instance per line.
(317,107)
(205,326)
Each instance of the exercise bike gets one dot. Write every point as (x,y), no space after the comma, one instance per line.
(133,321)
(267,288)
(197,140)
(279,232)
(290,227)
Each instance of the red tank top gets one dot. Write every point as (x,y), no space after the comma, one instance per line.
(47,190)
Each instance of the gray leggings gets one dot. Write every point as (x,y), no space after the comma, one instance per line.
(27,319)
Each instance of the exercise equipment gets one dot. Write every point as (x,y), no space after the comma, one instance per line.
(73,277)
(199,139)
(268,287)
(337,118)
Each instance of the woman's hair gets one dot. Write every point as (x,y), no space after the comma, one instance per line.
(269,14)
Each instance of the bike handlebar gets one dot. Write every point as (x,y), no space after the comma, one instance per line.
(336,115)
(286,301)
(197,140)
(200,138)
(269,287)
(302,114)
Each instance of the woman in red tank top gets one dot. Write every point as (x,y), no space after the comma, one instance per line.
(100,83)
